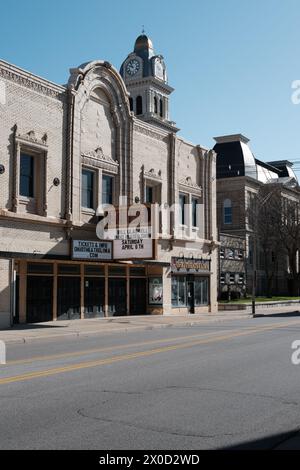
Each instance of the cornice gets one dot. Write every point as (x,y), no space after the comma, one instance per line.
(155,82)
(28,80)
(149,132)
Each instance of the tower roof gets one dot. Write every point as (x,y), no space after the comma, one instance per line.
(143,43)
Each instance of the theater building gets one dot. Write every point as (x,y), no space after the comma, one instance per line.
(104,138)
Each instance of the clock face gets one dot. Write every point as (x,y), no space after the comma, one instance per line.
(159,70)
(132,67)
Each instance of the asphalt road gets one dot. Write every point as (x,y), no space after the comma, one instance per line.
(214,386)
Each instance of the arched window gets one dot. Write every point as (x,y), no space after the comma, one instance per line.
(131,104)
(161,109)
(155,105)
(227,211)
(139,105)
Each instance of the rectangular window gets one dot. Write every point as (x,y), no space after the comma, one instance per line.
(107,189)
(182,202)
(26,175)
(149,194)
(69,269)
(195,203)
(87,193)
(227,215)
(201,291)
(39,268)
(222,253)
(179,291)
(250,252)
(117,271)
(94,270)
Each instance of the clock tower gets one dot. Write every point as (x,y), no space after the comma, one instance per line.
(145,77)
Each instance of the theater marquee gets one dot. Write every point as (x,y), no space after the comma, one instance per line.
(93,251)
(133,248)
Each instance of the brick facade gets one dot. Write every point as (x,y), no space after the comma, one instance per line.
(89,124)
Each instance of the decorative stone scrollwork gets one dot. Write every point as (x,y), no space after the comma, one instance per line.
(31,139)
(186,184)
(152,175)
(97,159)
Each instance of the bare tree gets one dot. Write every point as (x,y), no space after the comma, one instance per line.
(274,217)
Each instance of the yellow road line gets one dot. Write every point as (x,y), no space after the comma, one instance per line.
(111,348)
(151,352)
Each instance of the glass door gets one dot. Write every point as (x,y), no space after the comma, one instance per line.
(68,298)
(191,296)
(39,299)
(137,296)
(116,297)
(94,293)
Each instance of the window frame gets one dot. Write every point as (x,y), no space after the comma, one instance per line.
(112,179)
(32,177)
(227,217)
(182,210)
(195,221)
(139,105)
(94,174)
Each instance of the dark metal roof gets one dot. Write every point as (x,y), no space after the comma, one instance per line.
(268,166)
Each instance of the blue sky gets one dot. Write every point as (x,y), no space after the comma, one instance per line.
(231,62)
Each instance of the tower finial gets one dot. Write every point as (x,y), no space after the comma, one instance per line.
(143,29)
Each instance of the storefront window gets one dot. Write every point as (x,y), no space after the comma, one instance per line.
(201,291)
(179,291)
(68,269)
(39,268)
(155,291)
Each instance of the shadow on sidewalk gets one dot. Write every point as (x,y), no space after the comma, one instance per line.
(32,326)
(296,313)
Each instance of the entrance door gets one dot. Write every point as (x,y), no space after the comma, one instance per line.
(137,296)
(94,294)
(191,296)
(39,299)
(116,297)
(68,298)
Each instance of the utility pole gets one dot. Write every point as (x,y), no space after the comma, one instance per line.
(254,275)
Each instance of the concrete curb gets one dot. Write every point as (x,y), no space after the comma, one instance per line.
(77,334)
(247,306)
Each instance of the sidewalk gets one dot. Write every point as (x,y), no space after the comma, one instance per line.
(102,326)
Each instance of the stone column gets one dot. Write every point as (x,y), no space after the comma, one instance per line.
(167,284)
(22,290)
(5,293)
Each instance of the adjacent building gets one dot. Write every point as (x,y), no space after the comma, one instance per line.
(232,269)
(239,178)
(105,138)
